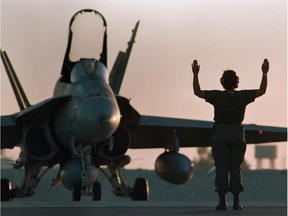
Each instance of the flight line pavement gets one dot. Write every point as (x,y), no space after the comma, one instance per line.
(137,208)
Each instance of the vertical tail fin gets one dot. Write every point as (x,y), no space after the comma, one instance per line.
(119,67)
(16,85)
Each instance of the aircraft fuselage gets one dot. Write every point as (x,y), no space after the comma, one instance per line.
(91,114)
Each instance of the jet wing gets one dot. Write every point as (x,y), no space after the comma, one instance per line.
(11,125)
(159,132)
(41,110)
(263,134)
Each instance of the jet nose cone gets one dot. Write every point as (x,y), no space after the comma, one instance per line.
(103,118)
(97,118)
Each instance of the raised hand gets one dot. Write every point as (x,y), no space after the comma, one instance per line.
(195,67)
(265,66)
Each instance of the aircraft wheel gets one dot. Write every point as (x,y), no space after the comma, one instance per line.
(96,194)
(77,191)
(140,190)
(6,194)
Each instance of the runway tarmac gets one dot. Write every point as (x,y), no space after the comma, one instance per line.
(132,208)
(265,194)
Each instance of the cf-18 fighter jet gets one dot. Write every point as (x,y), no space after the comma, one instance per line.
(87,126)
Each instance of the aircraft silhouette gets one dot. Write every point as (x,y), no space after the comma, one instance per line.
(87,125)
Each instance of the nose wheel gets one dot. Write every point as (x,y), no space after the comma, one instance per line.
(78,189)
(96,191)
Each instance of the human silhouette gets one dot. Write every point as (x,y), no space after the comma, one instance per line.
(228,142)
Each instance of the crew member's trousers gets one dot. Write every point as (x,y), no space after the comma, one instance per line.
(228,150)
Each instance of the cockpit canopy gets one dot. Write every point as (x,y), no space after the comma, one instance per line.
(88,69)
(87,40)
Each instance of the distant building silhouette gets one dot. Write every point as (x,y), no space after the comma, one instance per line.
(265,152)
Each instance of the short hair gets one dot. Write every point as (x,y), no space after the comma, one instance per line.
(229,80)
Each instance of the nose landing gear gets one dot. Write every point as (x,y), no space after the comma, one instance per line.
(96,191)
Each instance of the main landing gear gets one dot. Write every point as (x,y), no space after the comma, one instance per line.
(140,191)
(6,191)
(32,177)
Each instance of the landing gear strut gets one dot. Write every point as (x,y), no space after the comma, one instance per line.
(32,177)
(88,184)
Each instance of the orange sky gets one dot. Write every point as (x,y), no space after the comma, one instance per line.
(221,34)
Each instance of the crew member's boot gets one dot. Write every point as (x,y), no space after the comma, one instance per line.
(236,204)
(222,205)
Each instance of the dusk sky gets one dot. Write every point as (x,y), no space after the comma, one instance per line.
(220,34)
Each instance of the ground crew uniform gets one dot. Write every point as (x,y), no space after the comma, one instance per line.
(228,143)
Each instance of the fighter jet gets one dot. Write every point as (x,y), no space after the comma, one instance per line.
(87,127)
